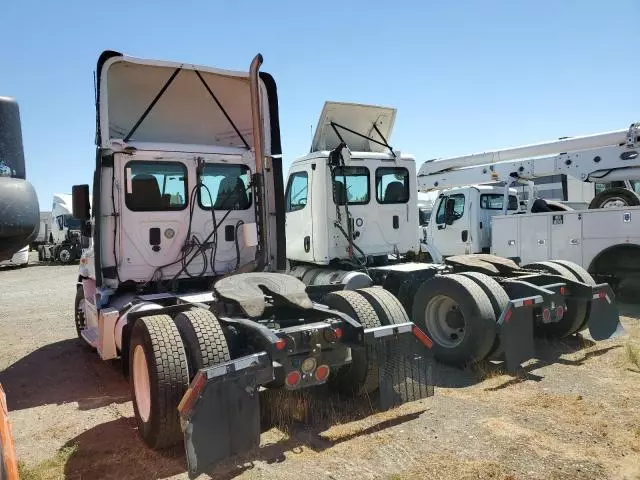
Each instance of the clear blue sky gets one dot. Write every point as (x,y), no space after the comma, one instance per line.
(464,75)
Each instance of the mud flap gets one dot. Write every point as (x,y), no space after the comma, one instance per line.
(604,318)
(220,413)
(515,327)
(405,363)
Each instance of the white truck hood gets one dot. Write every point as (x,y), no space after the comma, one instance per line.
(357,117)
(184,113)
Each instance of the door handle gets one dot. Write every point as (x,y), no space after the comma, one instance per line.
(465,235)
(307,243)
(441,227)
(574,241)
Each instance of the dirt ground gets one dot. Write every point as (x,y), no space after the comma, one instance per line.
(574,414)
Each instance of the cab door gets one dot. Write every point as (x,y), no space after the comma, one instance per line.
(299,225)
(452,222)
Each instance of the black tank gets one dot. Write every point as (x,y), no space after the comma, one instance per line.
(19,209)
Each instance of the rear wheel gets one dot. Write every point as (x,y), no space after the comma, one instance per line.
(159,378)
(582,275)
(457,315)
(362,376)
(576,312)
(203,339)
(497,296)
(388,308)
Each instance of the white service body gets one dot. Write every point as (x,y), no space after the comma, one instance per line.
(579,236)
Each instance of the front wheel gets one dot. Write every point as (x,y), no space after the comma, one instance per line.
(80,318)
(65,255)
(159,378)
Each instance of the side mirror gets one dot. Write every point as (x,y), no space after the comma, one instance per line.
(80,202)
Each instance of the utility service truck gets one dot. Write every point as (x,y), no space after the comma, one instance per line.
(184,280)
(604,239)
(18,226)
(352,205)
(608,159)
(64,241)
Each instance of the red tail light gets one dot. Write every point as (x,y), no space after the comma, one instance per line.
(322,372)
(281,344)
(528,303)
(563,291)
(546,315)
(293,378)
(559,312)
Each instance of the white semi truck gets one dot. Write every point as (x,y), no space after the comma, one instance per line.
(351,208)
(64,242)
(184,280)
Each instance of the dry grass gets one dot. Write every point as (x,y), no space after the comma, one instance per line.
(440,467)
(50,469)
(633,356)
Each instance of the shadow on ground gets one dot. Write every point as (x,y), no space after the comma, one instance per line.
(62,372)
(114,450)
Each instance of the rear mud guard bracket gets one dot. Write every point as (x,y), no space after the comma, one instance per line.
(516,331)
(220,412)
(405,364)
(604,318)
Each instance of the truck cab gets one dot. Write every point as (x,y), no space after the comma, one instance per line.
(351,184)
(460,221)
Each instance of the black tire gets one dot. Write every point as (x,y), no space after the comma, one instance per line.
(497,296)
(475,309)
(575,314)
(168,373)
(81,322)
(585,277)
(362,376)
(629,198)
(203,339)
(65,255)
(388,308)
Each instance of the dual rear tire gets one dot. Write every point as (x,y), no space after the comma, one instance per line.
(164,356)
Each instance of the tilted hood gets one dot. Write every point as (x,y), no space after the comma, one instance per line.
(358,118)
(143,100)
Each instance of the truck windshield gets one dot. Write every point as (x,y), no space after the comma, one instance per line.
(226,186)
(494,201)
(356,189)
(71,223)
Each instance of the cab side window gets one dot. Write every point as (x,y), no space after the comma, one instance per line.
(297,191)
(458,207)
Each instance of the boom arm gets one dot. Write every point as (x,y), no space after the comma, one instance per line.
(597,158)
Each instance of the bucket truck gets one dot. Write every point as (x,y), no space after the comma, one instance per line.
(19,216)
(603,240)
(351,208)
(609,158)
